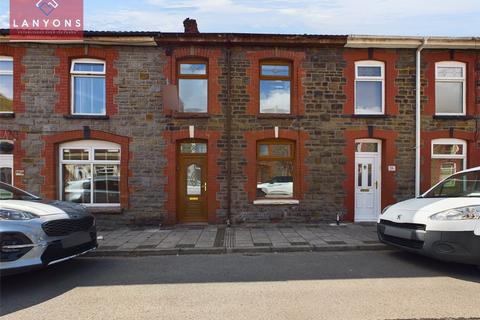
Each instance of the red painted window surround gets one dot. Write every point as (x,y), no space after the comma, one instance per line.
(301,154)
(18,153)
(298,74)
(63,88)
(17,53)
(430,58)
(389,154)
(50,154)
(389,57)
(172,138)
(473,151)
(214,72)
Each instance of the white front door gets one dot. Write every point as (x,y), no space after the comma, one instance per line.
(367,181)
(6,168)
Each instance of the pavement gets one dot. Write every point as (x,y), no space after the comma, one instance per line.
(382,284)
(210,239)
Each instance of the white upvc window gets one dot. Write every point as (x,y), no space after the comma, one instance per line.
(6,84)
(90,172)
(88,87)
(448,157)
(369,87)
(450,88)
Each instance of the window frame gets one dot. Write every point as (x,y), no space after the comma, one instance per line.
(381,78)
(91,145)
(291,158)
(9,73)
(261,77)
(87,74)
(450,141)
(205,76)
(462,79)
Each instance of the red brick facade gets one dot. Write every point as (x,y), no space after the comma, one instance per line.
(298,74)
(17,53)
(50,154)
(63,88)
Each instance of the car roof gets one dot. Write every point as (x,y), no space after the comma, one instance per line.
(470,170)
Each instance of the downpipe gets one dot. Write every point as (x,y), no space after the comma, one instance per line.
(418,116)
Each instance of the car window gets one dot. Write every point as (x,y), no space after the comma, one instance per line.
(8,192)
(460,185)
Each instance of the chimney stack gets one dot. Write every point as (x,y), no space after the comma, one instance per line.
(190,25)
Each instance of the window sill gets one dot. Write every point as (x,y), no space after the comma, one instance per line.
(105,210)
(81,117)
(190,115)
(371,116)
(266,202)
(276,116)
(445,117)
(7,115)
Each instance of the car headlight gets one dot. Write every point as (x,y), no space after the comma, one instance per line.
(10,214)
(385,209)
(465,213)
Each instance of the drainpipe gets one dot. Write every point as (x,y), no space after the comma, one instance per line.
(418,117)
(228,130)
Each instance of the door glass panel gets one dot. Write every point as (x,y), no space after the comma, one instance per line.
(366,147)
(369,175)
(359,177)
(6,175)
(106,187)
(6,147)
(194,180)
(77,183)
(193,147)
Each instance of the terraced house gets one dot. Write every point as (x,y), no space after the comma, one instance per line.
(150,127)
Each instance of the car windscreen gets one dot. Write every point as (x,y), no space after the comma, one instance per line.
(10,193)
(465,184)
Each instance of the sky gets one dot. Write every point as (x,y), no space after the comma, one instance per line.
(372,17)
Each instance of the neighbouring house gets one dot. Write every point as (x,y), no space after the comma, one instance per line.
(150,127)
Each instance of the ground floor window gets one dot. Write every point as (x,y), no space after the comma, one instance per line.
(275,168)
(448,157)
(90,172)
(6,161)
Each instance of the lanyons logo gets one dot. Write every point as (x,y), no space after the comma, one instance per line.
(47,7)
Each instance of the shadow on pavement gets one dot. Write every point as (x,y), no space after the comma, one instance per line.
(29,289)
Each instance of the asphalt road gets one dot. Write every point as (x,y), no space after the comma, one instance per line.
(346,285)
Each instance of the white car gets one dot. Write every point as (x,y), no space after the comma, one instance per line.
(443,223)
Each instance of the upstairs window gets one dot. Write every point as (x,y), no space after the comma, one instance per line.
(6,85)
(275,87)
(369,87)
(88,87)
(275,167)
(450,88)
(193,86)
(448,157)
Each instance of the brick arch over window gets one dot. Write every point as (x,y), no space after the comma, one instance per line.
(172,138)
(430,58)
(389,154)
(17,53)
(301,154)
(50,154)
(389,57)
(212,56)
(298,74)
(473,151)
(66,55)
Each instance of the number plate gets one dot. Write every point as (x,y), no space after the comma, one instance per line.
(76,239)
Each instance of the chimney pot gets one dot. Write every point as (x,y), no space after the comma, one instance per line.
(190,25)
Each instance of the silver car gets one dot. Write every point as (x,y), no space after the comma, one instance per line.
(35,233)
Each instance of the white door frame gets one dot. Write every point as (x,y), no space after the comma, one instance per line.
(377,170)
(6,161)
